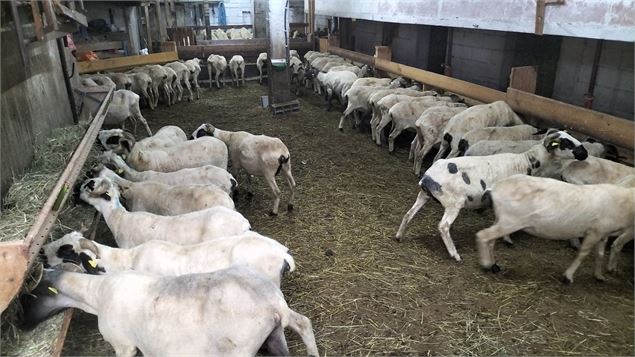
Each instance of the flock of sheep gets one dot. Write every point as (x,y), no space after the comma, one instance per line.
(190,277)
(544,182)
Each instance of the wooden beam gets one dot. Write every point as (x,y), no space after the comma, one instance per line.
(541,6)
(38,26)
(352,55)
(163,35)
(478,92)
(99,46)
(523,78)
(126,62)
(148,30)
(602,126)
(71,14)
(58,344)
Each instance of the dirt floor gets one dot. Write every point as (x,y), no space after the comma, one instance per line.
(367,294)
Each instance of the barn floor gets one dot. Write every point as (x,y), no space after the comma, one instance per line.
(366,293)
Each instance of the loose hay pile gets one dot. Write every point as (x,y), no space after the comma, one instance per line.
(21,205)
(367,294)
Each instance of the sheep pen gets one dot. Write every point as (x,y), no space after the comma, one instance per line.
(366,293)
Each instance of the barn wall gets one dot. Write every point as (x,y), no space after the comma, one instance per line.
(411,45)
(33,102)
(607,19)
(483,57)
(614,84)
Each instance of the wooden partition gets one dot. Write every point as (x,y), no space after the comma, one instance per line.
(605,127)
(121,63)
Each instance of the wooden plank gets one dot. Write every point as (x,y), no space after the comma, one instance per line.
(71,14)
(38,26)
(14,262)
(126,62)
(352,55)
(162,31)
(523,78)
(99,46)
(168,46)
(478,92)
(540,16)
(602,126)
(148,31)
(58,344)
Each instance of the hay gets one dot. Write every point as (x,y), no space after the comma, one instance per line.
(367,294)
(22,203)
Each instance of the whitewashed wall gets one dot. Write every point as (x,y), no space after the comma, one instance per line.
(606,19)
(238,12)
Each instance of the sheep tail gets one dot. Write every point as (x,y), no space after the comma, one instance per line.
(281,161)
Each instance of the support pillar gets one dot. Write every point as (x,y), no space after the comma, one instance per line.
(280,98)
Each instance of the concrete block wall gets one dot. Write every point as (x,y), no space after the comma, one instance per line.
(482,57)
(411,45)
(614,85)
(367,36)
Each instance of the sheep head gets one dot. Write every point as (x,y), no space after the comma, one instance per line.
(562,145)
(203,130)
(98,189)
(73,248)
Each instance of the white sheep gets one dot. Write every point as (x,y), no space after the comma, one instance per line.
(294,53)
(181,155)
(237,69)
(250,249)
(194,65)
(491,147)
(133,228)
(258,155)
(216,66)
(159,77)
(553,209)
(203,175)
(183,78)
(261,64)
(515,132)
(381,93)
(230,312)
(142,85)
(165,200)
(121,80)
(124,105)
(168,135)
(479,116)
(461,182)
(595,170)
(359,72)
(429,127)
(173,85)
(336,84)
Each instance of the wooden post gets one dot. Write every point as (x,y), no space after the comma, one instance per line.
(208,31)
(541,6)
(383,53)
(148,30)
(38,26)
(162,31)
(523,78)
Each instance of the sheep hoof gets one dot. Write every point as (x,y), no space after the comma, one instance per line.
(290,207)
(273,214)
(341,129)
(509,244)
(397,239)
(566,281)
(600,278)
(495,268)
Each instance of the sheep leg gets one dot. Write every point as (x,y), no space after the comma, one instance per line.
(259,76)
(167,93)
(143,120)
(394,133)
(380,127)
(217,80)
(271,180)
(198,89)
(189,90)
(209,72)
(617,246)
(301,325)
(286,172)
(242,74)
(146,97)
(422,198)
(413,146)
(590,240)
(449,216)
(179,90)
(600,247)
(373,126)
(440,154)
(486,238)
(276,344)
(155,92)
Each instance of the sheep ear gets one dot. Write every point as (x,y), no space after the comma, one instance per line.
(106,196)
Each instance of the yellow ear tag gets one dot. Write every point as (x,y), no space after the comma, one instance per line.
(53,290)
(119,171)
(92,263)
(555,143)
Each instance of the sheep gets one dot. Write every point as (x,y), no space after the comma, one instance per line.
(237,69)
(183,77)
(166,136)
(461,182)
(133,228)
(380,82)
(165,200)
(491,147)
(203,175)
(516,132)
(359,72)
(297,71)
(121,80)
(429,127)
(375,96)
(230,312)
(404,115)
(294,53)
(336,83)
(216,66)
(173,86)
(246,33)
(250,249)
(194,65)
(159,77)
(142,85)
(498,113)
(102,80)
(261,64)
(553,209)
(595,170)
(220,34)
(258,155)
(124,105)
(382,107)
(327,67)
(168,158)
